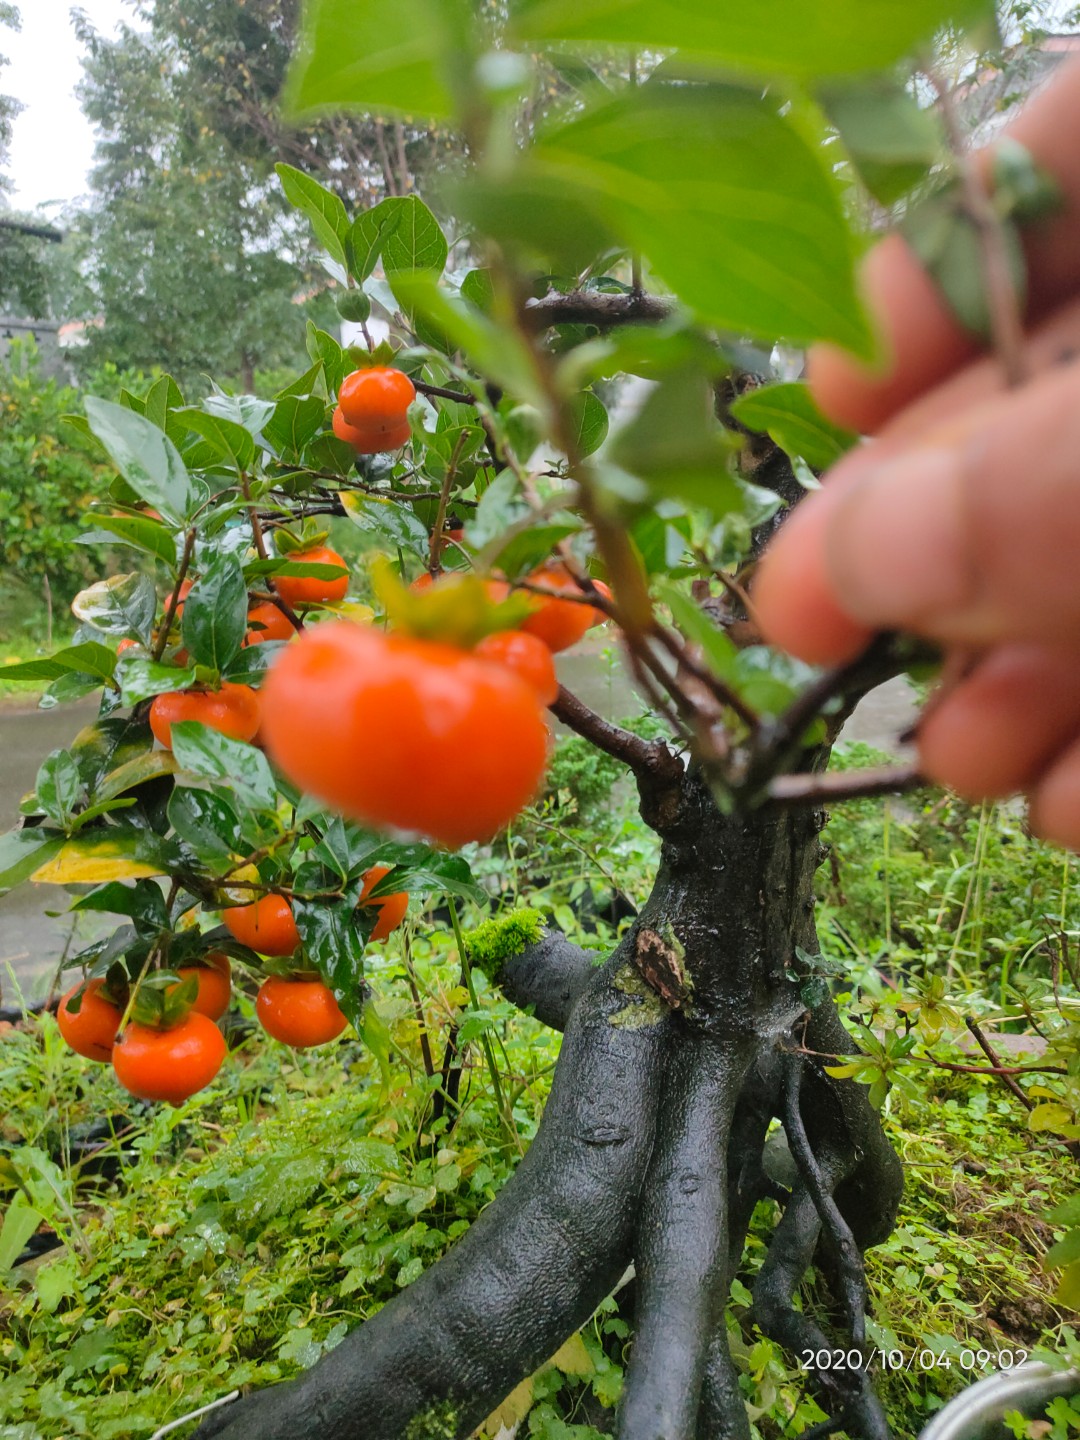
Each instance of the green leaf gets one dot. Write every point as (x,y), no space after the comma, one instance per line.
(215,613)
(295,420)
(415,241)
(720,652)
(23,851)
(59,787)
(104,745)
(390,524)
(219,757)
(892,140)
(334,934)
(230,441)
(325,211)
(366,236)
(788,415)
(89,658)
(142,679)
(733,203)
(379,55)
(56,1281)
(676,446)
(142,902)
(525,550)
(151,765)
(138,531)
(590,422)
(117,852)
(163,399)
(325,349)
(206,821)
(770,38)
(21,1220)
(147,459)
(121,605)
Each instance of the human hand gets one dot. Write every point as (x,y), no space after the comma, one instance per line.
(960,521)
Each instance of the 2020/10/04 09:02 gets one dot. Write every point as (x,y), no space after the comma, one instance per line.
(967,1359)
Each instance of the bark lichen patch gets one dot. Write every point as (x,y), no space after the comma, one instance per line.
(645,1006)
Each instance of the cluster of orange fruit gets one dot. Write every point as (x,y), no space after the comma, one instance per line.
(412,734)
(171,1063)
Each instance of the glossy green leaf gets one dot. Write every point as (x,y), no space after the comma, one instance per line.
(215,613)
(142,902)
(388,523)
(20,1222)
(324,209)
(163,399)
(139,531)
(206,821)
(719,651)
(151,765)
(733,203)
(88,658)
(147,459)
(230,440)
(295,420)
(790,418)
(325,349)
(107,744)
(365,240)
(24,851)
(143,679)
(379,55)
(59,787)
(208,753)
(121,605)
(801,38)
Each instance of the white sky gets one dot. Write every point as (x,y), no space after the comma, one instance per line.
(53,142)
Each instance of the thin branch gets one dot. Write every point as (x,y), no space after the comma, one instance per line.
(174,598)
(435,549)
(260,545)
(834,786)
(988,1050)
(460,396)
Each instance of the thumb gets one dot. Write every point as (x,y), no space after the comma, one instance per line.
(973,535)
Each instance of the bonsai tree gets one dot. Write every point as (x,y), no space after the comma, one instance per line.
(328,741)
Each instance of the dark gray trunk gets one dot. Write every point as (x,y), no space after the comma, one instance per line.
(680,1049)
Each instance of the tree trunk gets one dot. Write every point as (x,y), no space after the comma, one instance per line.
(679,1051)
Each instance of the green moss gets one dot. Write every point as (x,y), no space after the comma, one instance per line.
(492,943)
(438,1423)
(645,1007)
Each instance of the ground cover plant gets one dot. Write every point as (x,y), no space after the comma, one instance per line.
(292,747)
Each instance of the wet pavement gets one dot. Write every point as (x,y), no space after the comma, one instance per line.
(35,931)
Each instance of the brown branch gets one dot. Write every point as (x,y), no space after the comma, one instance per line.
(435,551)
(998,1069)
(260,545)
(174,598)
(835,786)
(443,394)
(650,757)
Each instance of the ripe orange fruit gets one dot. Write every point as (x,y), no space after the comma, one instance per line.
(404,733)
(185,591)
(306,589)
(373,404)
(93,1030)
(234,710)
(525,655)
(215,984)
(273,624)
(358,439)
(299,1011)
(125,645)
(559,623)
(169,1064)
(391,907)
(267,925)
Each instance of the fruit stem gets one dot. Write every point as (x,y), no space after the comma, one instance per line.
(260,546)
(485,1039)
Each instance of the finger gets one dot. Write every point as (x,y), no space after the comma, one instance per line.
(794,599)
(971,537)
(922,340)
(1054,808)
(1000,728)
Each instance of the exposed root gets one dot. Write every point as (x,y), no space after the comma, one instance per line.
(681,1249)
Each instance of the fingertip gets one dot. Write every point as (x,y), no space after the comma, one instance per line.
(794,600)
(920,340)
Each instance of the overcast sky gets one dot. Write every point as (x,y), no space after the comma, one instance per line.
(53,143)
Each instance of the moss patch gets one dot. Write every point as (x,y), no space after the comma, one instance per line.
(491,944)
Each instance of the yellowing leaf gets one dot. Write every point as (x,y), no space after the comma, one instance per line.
(512,1410)
(90,860)
(1050,1116)
(572,1358)
(1068,1291)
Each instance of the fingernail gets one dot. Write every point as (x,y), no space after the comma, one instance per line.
(896,547)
